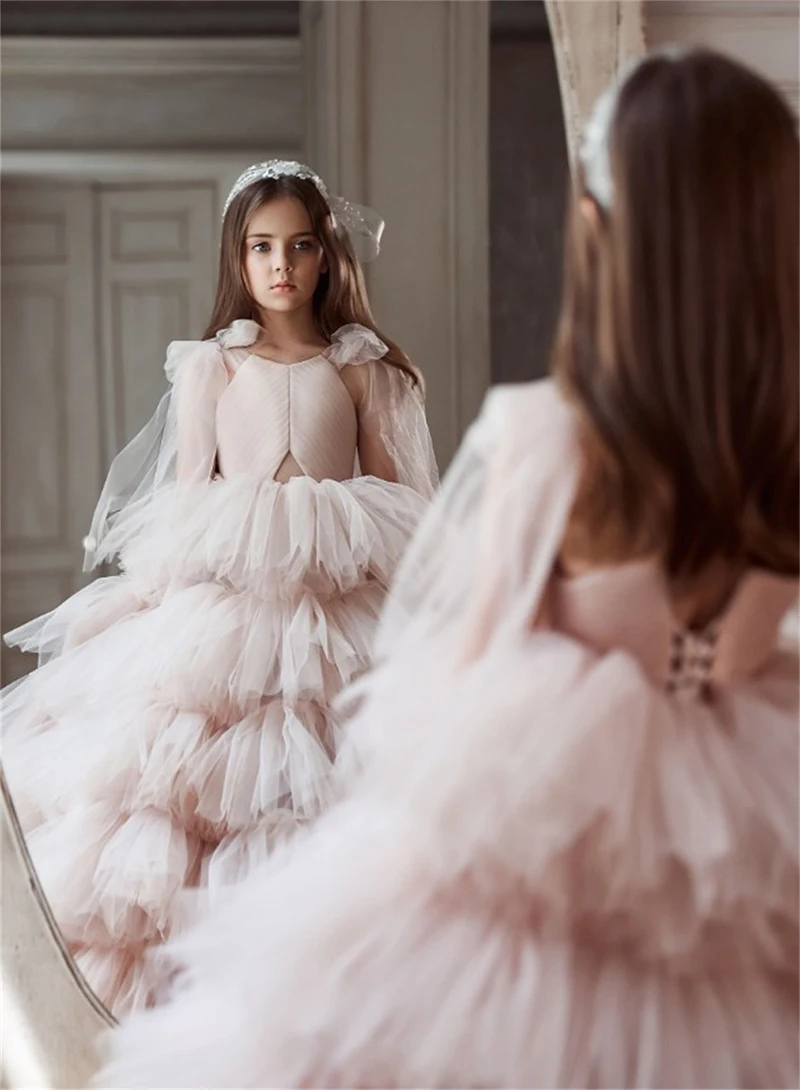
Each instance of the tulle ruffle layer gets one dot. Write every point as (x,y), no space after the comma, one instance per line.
(667,824)
(318,537)
(258,538)
(181,724)
(550,875)
(211,649)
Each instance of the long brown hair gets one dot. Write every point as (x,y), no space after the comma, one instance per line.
(341,295)
(678,338)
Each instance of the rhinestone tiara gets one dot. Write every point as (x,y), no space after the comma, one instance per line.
(274,168)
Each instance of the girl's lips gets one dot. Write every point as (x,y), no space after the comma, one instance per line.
(283,287)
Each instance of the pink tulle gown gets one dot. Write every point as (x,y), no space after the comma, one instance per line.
(571,858)
(181,722)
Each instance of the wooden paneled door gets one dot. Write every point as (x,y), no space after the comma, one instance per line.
(96,280)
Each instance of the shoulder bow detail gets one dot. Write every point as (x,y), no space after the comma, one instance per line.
(239,334)
(353,344)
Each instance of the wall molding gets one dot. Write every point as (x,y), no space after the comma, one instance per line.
(80,165)
(148,93)
(82,57)
(334,73)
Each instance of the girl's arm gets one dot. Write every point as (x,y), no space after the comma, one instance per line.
(393,438)
(200,378)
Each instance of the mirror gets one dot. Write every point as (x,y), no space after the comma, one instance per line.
(124,126)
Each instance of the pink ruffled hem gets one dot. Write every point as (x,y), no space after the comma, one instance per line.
(182,723)
(551,874)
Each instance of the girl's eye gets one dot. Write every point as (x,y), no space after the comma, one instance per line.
(301,244)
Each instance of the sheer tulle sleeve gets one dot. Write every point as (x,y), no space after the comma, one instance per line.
(199,378)
(178,442)
(394,441)
(483,554)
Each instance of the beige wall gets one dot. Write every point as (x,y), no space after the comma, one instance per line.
(398,118)
(763,33)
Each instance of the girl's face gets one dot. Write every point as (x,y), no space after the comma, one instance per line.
(283,258)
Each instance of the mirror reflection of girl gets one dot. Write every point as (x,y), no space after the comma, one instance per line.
(572,858)
(183,725)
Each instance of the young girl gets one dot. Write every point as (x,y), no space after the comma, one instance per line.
(183,725)
(572,860)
